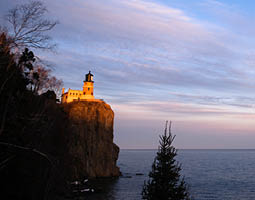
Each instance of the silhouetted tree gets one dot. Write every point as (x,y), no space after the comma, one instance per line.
(165,182)
(20,106)
(46,81)
(28,29)
(28,26)
(25,64)
(26,119)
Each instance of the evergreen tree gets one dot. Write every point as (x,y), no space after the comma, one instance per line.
(165,182)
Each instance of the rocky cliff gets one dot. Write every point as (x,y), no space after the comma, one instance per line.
(90,151)
(59,143)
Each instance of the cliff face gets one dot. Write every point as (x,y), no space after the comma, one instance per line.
(64,143)
(89,140)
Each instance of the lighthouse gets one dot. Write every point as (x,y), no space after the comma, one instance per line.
(86,94)
(88,86)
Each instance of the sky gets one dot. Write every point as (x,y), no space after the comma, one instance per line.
(188,61)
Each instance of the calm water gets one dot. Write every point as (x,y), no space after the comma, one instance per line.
(211,174)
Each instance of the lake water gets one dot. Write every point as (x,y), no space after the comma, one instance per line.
(211,174)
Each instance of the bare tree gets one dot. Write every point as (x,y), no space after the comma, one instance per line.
(28,26)
(45,81)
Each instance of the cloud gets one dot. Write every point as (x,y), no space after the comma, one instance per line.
(136,46)
(150,43)
(141,50)
(231,16)
(152,60)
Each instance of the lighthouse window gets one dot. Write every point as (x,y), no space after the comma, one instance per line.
(84,93)
(88,88)
(91,93)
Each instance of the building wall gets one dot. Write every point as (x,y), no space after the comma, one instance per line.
(76,95)
(88,88)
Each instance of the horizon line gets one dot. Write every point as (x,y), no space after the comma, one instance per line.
(197,149)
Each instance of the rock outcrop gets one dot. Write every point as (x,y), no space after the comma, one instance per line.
(65,142)
(90,151)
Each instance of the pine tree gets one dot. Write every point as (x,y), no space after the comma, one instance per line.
(165,182)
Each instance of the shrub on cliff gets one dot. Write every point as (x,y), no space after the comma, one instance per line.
(22,76)
(165,182)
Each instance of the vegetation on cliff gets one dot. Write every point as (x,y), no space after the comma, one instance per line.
(27,119)
(22,80)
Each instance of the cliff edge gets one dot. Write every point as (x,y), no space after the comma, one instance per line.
(89,140)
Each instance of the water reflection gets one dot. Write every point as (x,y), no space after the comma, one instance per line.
(105,189)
